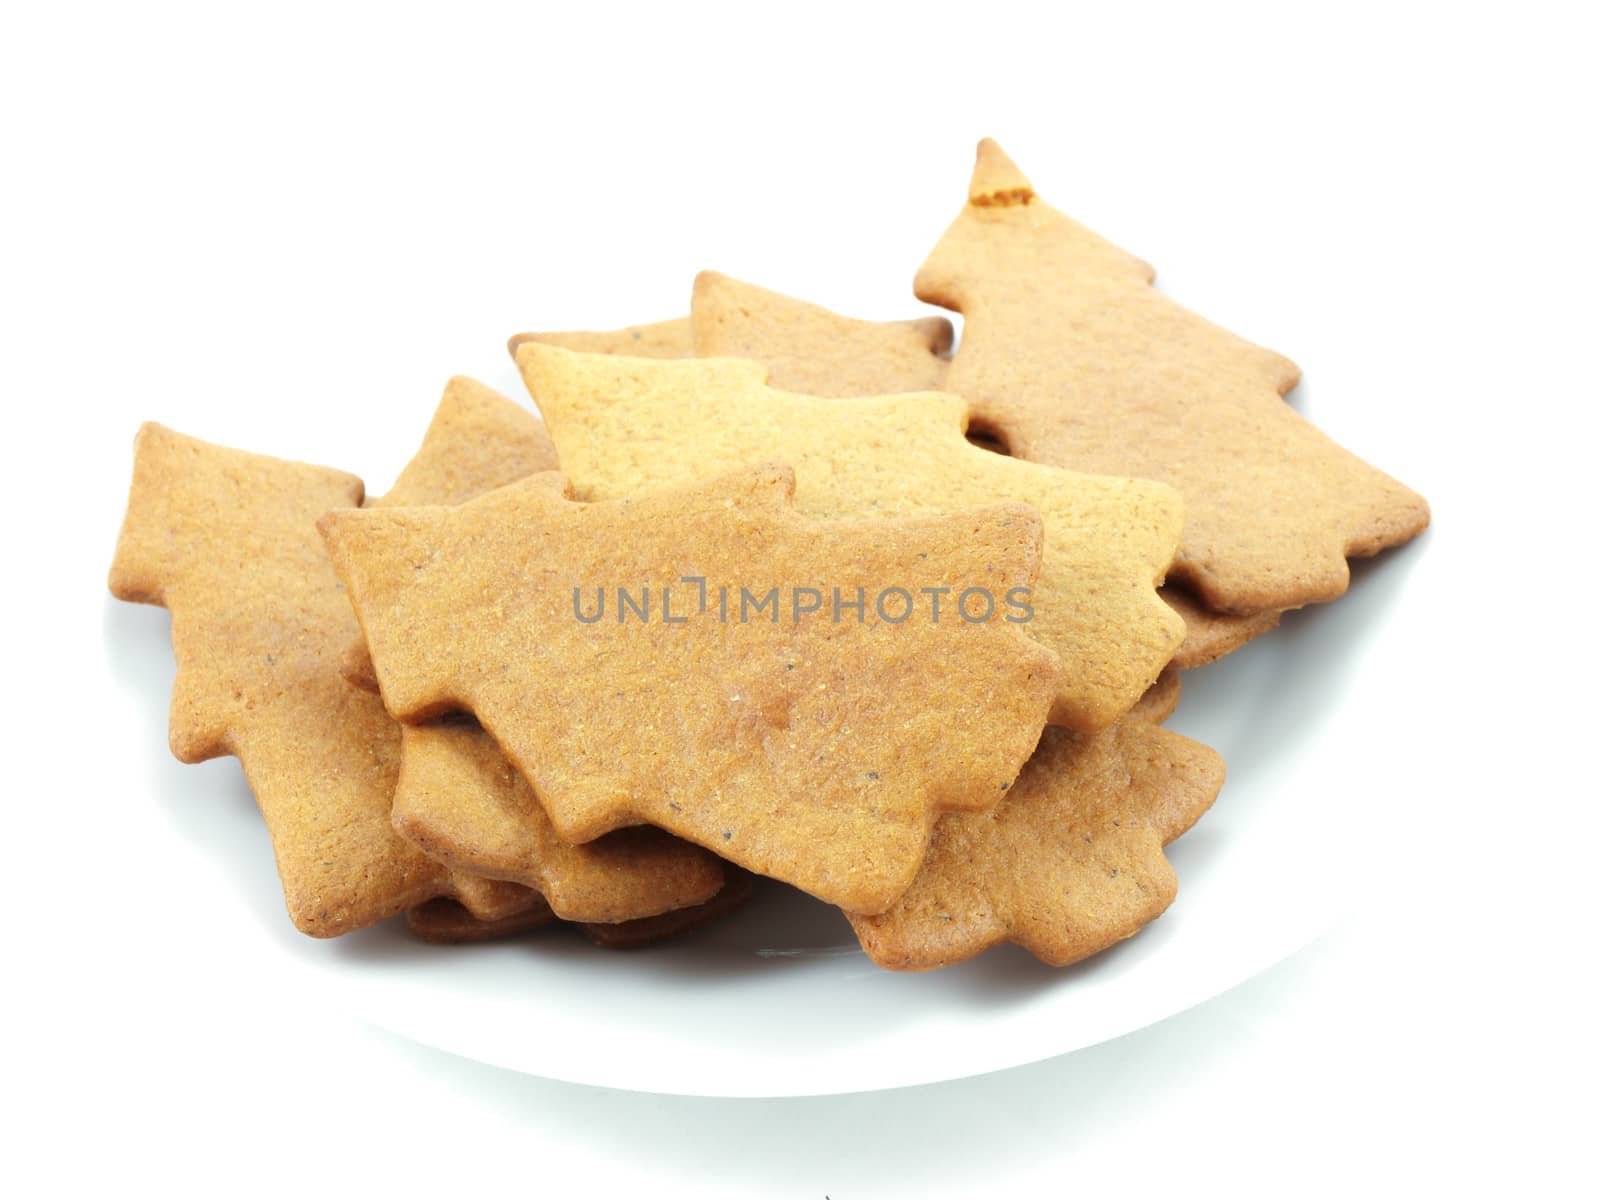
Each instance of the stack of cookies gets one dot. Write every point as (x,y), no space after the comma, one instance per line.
(773,592)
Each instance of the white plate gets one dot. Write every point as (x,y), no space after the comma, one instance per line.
(779,1001)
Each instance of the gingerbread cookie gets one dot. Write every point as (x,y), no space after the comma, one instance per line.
(446,922)
(1209,635)
(459,799)
(227,542)
(808,349)
(739,715)
(1071,356)
(632,935)
(662,339)
(1069,863)
(625,426)
(477,441)
(1161,701)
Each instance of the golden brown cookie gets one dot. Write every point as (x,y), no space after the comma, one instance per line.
(227,542)
(1209,635)
(779,742)
(457,798)
(727,309)
(662,339)
(460,800)
(447,923)
(808,349)
(491,899)
(631,935)
(477,441)
(1071,356)
(1070,862)
(1161,701)
(624,426)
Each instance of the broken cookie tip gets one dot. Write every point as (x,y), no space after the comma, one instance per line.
(997,182)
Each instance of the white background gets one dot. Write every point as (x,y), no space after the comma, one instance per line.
(282,228)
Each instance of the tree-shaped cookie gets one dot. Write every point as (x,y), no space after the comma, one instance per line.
(1070,862)
(448,922)
(1070,354)
(682,660)
(660,339)
(459,799)
(807,348)
(837,355)
(227,541)
(1210,635)
(624,426)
